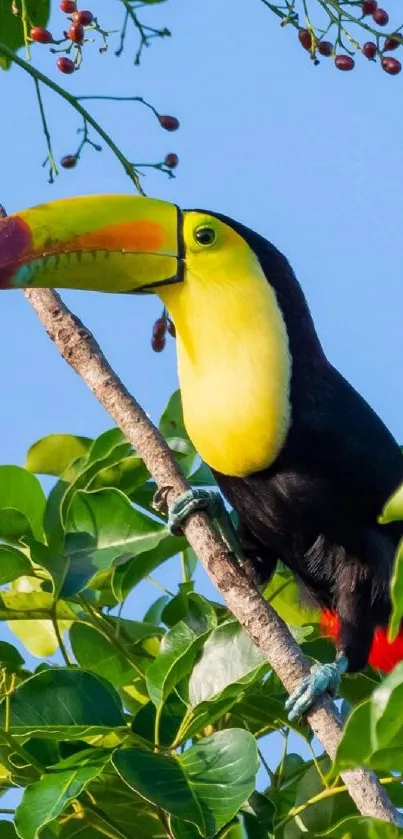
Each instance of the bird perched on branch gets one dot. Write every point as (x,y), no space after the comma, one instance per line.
(301,457)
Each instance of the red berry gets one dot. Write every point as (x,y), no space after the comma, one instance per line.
(369,50)
(41,35)
(344,62)
(171,160)
(68,6)
(391,66)
(85,18)
(393,42)
(65,65)
(68,161)
(325,48)
(368,7)
(76,33)
(169,123)
(305,38)
(380,17)
(158,336)
(171,328)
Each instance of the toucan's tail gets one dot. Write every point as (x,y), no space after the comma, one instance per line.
(384,654)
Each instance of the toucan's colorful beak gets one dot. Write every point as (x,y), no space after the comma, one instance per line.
(114,243)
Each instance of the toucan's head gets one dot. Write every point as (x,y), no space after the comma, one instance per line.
(114,243)
(242,321)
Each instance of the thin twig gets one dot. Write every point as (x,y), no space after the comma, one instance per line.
(53,171)
(62,646)
(327,793)
(74,102)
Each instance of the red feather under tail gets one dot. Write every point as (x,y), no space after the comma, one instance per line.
(384,654)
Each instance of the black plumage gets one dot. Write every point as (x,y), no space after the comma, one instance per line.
(316,507)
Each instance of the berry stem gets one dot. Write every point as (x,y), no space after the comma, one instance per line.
(53,171)
(123,31)
(122,99)
(74,102)
(146,33)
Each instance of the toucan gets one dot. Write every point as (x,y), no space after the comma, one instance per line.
(301,457)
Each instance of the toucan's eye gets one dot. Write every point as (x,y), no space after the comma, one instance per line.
(205,235)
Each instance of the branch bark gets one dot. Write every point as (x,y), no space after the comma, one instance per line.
(268,631)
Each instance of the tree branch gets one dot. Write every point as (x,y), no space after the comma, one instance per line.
(268,631)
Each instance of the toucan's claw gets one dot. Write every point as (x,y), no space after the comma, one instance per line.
(212,503)
(189,502)
(325,678)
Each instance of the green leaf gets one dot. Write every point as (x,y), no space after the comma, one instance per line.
(69,575)
(284,595)
(202,477)
(258,816)
(107,450)
(47,798)
(10,658)
(94,652)
(154,613)
(13,564)
(38,636)
(130,815)
(318,816)
(374,731)
(355,745)
(64,702)
(183,830)
(106,444)
(32,605)
(21,491)
(206,785)
(11,28)
(189,561)
(180,605)
(261,710)
(53,454)
(55,564)
(7,829)
(229,660)
(362,827)
(126,576)
(169,721)
(127,475)
(172,427)
(105,529)
(178,650)
(53,520)
(396,587)
(128,672)
(235,830)
(393,509)
(14,526)
(386,707)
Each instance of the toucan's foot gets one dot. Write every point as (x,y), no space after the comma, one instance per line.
(189,502)
(325,678)
(211,502)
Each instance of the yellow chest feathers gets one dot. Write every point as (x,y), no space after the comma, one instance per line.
(234,368)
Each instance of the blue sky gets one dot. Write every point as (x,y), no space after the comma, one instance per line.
(308,156)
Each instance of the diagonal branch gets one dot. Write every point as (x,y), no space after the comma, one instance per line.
(268,631)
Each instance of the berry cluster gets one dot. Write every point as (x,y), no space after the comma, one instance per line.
(170,161)
(161,326)
(74,36)
(371,49)
(82,21)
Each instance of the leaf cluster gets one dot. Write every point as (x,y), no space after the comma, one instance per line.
(166,726)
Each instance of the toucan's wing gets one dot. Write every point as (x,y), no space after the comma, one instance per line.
(338,436)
